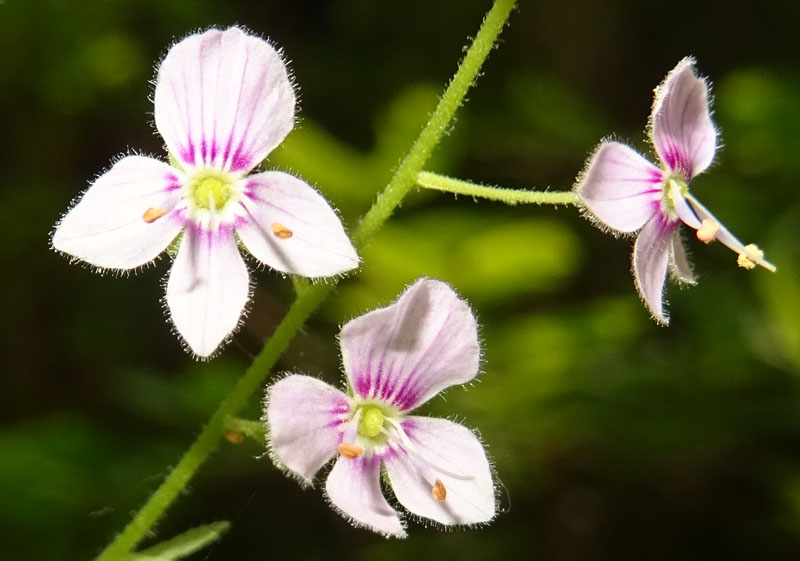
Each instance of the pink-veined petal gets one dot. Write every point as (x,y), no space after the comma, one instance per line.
(680,123)
(354,488)
(207,288)
(620,187)
(455,449)
(408,352)
(289,226)
(110,226)
(223,99)
(679,263)
(304,418)
(651,255)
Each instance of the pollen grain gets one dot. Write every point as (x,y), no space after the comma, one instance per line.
(281,231)
(153,214)
(349,451)
(439,491)
(750,256)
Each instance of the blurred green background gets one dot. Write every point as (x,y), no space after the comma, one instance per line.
(613,438)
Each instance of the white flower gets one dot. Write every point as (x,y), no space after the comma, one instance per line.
(396,358)
(223,101)
(626,193)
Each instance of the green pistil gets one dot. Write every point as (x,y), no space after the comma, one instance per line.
(371,422)
(211,189)
(683,188)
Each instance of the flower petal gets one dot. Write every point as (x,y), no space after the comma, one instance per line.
(679,263)
(303,417)
(408,352)
(651,254)
(289,226)
(207,288)
(620,187)
(223,99)
(109,228)
(455,448)
(354,489)
(680,123)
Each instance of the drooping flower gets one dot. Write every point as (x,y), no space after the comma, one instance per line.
(624,192)
(395,359)
(223,101)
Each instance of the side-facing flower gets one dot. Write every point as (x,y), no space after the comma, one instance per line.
(395,359)
(624,192)
(223,101)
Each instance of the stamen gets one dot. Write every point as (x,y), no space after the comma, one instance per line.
(281,231)
(351,429)
(350,451)
(153,214)
(748,258)
(439,491)
(707,233)
(346,448)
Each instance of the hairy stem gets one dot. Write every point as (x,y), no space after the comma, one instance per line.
(406,175)
(310,297)
(438,182)
(246,427)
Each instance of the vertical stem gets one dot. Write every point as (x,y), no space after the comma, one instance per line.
(406,175)
(308,299)
(205,443)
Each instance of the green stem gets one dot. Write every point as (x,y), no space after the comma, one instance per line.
(216,427)
(438,182)
(309,298)
(406,175)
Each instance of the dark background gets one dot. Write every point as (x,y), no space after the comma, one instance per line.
(613,438)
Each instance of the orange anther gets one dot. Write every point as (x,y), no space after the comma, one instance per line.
(349,451)
(153,214)
(281,231)
(439,492)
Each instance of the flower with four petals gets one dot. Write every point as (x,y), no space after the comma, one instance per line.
(624,192)
(223,101)
(395,359)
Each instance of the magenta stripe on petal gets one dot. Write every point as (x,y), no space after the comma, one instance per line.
(407,352)
(223,99)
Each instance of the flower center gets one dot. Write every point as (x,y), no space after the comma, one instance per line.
(371,421)
(211,190)
(679,186)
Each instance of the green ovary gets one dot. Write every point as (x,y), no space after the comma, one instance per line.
(683,189)
(371,422)
(210,190)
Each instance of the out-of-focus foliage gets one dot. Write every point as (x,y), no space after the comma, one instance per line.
(612,438)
